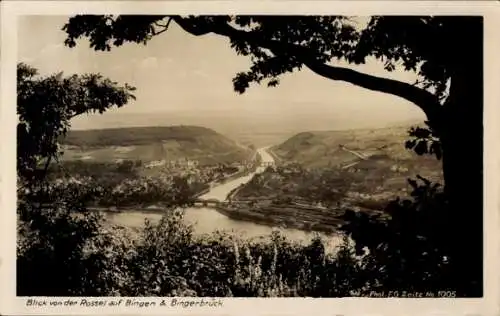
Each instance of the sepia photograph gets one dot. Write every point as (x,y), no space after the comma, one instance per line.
(250,156)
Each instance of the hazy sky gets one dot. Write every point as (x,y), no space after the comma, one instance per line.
(178,75)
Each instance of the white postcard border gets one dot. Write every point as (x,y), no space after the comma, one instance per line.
(489,305)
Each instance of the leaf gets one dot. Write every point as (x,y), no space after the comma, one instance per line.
(421,147)
(409,144)
(273,83)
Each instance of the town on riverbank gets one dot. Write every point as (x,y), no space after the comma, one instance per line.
(265,186)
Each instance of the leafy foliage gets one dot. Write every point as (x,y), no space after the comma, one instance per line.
(166,259)
(424,141)
(54,229)
(54,225)
(45,106)
(410,250)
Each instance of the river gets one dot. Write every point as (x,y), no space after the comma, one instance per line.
(208,220)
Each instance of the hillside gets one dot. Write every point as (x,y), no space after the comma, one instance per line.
(383,149)
(153,143)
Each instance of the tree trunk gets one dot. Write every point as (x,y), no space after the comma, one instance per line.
(462,142)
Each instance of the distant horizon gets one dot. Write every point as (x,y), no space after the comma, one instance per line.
(261,138)
(117,121)
(184,79)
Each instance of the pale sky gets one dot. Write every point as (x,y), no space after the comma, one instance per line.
(179,76)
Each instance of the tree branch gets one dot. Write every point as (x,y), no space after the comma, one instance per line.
(188,27)
(425,100)
(164,27)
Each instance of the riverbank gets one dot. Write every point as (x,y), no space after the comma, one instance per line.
(243,218)
(304,218)
(159,207)
(277,160)
(231,177)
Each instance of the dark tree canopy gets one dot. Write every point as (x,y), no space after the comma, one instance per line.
(431,46)
(45,106)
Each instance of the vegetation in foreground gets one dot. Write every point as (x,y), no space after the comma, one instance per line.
(167,260)
(65,251)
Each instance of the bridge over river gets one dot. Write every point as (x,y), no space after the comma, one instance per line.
(208,203)
(267,164)
(206,219)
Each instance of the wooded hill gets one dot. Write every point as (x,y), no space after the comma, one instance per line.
(153,143)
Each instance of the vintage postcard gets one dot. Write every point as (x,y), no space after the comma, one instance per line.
(257,158)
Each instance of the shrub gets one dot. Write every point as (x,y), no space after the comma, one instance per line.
(408,251)
(51,259)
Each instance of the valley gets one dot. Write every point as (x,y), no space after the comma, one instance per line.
(308,182)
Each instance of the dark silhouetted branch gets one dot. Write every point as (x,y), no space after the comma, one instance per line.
(423,99)
(163,26)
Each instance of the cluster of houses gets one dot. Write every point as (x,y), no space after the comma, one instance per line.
(179,163)
(192,171)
